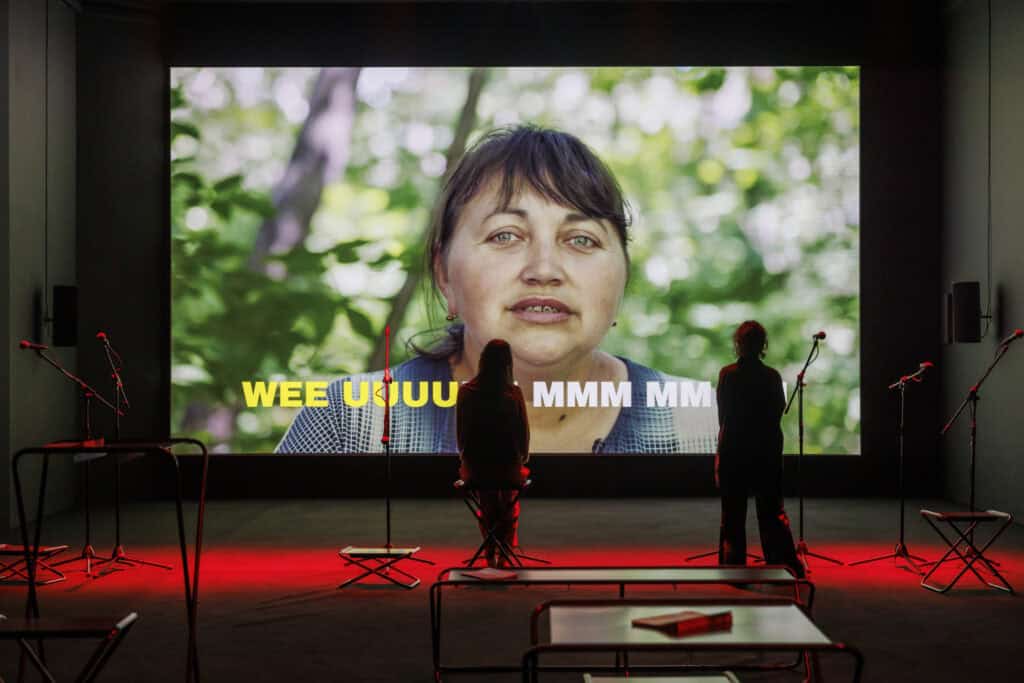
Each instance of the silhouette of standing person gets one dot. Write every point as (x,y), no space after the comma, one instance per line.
(493,436)
(749,458)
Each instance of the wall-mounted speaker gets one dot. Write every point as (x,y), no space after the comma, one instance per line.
(65,315)
(966,311)
(947,327)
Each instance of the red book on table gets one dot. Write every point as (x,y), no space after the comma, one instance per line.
(687,622)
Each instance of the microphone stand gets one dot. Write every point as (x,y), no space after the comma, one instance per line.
(88,553)
(901,552)
(119,556)
(802,551)
(971,400)
(385,437)
(384,558)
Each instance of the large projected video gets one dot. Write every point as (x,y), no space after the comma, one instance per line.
(614,225)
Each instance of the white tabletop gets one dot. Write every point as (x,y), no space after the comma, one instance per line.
(759,625)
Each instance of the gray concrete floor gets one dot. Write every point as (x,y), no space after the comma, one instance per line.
(269,609)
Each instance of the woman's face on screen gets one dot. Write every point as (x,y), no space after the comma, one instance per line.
(540,275)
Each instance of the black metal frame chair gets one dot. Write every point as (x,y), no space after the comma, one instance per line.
(162,448)
(471,490)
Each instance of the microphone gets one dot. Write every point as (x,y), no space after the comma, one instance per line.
(921,368)
(31,345)
(115,361)
(819,336)
(1014,336)
(105,340)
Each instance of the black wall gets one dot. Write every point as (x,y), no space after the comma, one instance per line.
(123,229)
(1000,448)
(37,233)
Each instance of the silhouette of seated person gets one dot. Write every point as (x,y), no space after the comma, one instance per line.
(751,400)
(494,442)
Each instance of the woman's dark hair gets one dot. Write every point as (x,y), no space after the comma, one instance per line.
(495,372)
(556,165)
(750,340)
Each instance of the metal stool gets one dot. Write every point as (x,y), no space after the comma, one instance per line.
(963,524)
(108,631)
(16,572)
(471,491)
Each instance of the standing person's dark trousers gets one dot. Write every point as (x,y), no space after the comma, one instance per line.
(773,524)
(749,462)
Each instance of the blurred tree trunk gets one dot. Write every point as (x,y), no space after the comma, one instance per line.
(320,155)
(463,127)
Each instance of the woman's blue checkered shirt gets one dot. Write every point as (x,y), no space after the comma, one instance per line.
(338,428)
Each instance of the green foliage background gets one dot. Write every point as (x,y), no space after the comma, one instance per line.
(744,184)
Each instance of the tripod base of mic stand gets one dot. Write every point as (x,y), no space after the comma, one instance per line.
(380,562)
(120,559)
(803,553)
(90,557)
(714,553)
(899,553)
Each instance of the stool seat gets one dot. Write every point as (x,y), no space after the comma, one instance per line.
(477,485)
(355,551)
(13,628)
(7,549)
(986,516)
